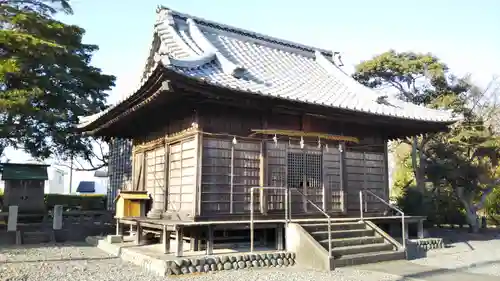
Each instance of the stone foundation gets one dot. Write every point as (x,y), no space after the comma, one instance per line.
(199,264)
(230,262)
(428,243)
(418,248)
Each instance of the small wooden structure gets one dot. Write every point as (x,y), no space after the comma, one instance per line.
(221,110)
(24,186)
(131,203)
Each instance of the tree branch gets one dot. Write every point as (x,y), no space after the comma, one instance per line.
(485,194)
(81,168)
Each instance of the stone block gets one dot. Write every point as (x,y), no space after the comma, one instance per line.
(112,239)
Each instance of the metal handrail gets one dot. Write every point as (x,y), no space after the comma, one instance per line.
(324,213)
(403,228)
(252,209)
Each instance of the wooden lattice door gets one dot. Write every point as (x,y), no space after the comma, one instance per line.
(304,172)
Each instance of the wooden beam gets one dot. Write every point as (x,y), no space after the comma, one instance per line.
(210,240)
(179,235)
(343,177)
(138,235)
(165,240)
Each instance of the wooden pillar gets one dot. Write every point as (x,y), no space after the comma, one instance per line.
(327,191)
(179,235)
(263,179)
(386,172)
(119,227)
(210,240)
(421,229)
(279,238)
(343,176)
(195,241)
(166,173)
(406,231)
(263,237)
(138,234)
(165,236)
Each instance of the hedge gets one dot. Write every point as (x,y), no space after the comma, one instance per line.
(89,202)
(80,202)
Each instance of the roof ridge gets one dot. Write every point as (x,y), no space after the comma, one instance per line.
(246,32)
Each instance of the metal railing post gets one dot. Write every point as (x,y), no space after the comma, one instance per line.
(361,204)
(252,228)
(326,215)
(403,230)
(251,220)
(286,207)
(403,224)
(329,237)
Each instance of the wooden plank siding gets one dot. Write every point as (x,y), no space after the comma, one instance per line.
(229,170)
(182,161)
(332,179)
(191,166)
(366,170)
(155,176)
(276,165)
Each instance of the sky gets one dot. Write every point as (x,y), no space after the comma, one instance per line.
(463,33)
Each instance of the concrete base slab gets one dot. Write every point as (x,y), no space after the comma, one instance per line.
(114,239)
(420,272)
(153,260)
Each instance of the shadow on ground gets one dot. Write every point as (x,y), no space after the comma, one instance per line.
(457,274)
(453,236)
(59,260)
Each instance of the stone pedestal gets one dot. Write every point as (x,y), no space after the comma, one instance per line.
(114,239)
(155,214)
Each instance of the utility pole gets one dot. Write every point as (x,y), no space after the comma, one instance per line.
(71,174)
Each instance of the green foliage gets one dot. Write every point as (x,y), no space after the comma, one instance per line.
(492,203)
(461,163)
(76,202)
(440,208)
(73,202)
(403,174)
(46,80)
(402,71)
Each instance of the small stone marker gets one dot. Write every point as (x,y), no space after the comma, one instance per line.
(58,217)
(12,222)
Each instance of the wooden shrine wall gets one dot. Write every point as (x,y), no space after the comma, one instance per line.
(228,172)
(332,179)
(165,164)
(288,165)
(366,170)
(225,188)
(182,180)
(154,176)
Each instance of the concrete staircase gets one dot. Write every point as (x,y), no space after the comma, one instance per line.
(355,243)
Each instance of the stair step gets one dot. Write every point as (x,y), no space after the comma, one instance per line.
(320,235)
(352,241)
(36,237)
(365,258)
(334,226)
(360,249)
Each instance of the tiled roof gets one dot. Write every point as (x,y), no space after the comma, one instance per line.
(246,61)
(18,171)
(86,187)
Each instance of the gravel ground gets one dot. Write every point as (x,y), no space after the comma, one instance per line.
(481,257)
(81,262)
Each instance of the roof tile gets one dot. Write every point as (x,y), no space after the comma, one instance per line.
(212,53)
